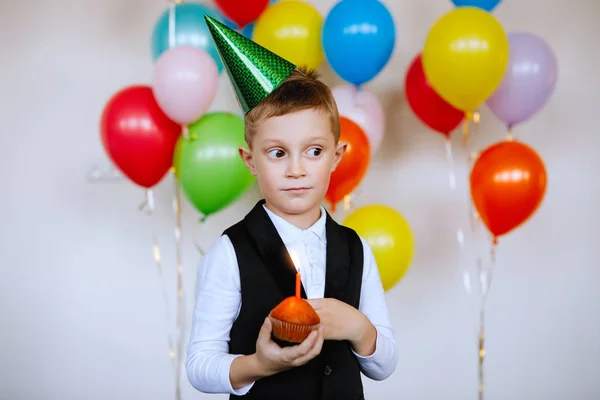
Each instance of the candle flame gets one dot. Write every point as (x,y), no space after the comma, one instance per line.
(295,260)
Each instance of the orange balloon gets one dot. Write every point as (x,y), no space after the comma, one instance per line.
(354,164)
(508,183)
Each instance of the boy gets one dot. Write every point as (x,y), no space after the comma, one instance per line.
(292,132)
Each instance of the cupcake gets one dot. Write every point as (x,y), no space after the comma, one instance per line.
(293,320)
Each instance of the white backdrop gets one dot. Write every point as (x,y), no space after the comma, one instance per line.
(80,302)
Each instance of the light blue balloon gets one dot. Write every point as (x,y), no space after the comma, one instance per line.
(358,39)
(190,30)
(487,5)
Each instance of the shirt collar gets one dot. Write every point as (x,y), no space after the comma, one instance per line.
(289,232)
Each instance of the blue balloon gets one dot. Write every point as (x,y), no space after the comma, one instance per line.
(247,31)
(190,30)
(487,5)
(358,39)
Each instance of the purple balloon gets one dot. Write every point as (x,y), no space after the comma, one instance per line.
(528,82)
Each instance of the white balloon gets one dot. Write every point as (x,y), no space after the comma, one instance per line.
(364,109)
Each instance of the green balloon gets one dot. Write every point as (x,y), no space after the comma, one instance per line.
(208,165)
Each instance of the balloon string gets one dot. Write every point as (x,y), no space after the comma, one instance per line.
(460,235)
(510,136)
(485,273)
(172,40)
(472,157)
(451,165)
(347,204)
(485,277)
(465,130)
(481,353)
(180,322)
(149,207)
(202,253)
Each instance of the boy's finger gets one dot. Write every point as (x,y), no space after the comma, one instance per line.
(314,351)
(318,346)
(303,348)
(265,331)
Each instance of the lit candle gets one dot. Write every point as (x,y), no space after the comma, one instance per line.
(297,266)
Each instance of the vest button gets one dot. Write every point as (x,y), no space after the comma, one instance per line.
(327,370)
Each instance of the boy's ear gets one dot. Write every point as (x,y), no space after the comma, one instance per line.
(339,153)
(246,155)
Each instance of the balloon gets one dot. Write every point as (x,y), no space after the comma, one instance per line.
(508,183)
(433,110)
(487,5)
(390,238)
(242,12)
(185,83)
(358,39)
(465,57)
(207,163)
(292,30)
(529,80)
(190,30)
(354,164)
(247,31)
(363,108)
(137,136)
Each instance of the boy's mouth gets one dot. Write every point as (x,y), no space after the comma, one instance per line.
(297,190)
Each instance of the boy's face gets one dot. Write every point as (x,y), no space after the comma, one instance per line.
(293,157)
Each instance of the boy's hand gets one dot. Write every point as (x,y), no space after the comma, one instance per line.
(341,321)
(272,359)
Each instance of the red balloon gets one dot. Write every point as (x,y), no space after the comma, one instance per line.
(137,135)
(242,12)
(353,167)
(432,109)
(508,184)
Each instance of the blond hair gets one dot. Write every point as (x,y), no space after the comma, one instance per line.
(302,90)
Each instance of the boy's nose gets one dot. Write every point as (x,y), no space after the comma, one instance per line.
(295,169)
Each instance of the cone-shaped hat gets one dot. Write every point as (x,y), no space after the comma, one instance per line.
(253,70)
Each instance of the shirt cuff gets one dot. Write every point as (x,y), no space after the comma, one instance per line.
(369,357)
(382,363)
(225,378)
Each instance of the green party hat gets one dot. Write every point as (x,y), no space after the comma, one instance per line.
(253,70)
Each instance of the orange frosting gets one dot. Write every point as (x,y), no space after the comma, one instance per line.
(296,311)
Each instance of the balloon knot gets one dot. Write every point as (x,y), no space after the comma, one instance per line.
(203,218)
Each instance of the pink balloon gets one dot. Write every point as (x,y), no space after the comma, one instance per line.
(185,83)
(364,109)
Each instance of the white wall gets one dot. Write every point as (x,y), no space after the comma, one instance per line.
(80,304)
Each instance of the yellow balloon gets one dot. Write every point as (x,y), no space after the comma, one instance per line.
(389,236)
(292,29)
(465,57)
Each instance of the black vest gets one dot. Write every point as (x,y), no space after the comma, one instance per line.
(267,277)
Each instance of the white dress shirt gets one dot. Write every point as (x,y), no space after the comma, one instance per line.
(219,299)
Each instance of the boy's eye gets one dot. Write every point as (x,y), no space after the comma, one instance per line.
(315,151)
(276,153)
